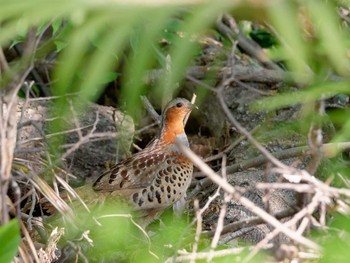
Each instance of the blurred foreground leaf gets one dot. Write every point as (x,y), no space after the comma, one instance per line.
(310,94)
(9,240)
(336,247)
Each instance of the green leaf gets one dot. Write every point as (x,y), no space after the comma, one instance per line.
(283,15)
(60,45)
(109,76)
(74,53)
(312,93)
(336,246)
(56,26)
(263,37)
(103,59)
(343,135)
(9,240)
(184,48)
(143,56)
(332,38)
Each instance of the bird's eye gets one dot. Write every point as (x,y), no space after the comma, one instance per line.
(179,105)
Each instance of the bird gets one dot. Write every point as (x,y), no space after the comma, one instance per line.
(158,176)
(152,179)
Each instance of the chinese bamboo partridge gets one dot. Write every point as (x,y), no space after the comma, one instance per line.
(159,175)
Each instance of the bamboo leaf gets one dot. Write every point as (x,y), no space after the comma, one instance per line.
(332,38)
(283,15)
(313,93)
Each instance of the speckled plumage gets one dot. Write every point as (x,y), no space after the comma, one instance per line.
(158,176)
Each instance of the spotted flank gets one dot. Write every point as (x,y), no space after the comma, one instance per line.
(159,175)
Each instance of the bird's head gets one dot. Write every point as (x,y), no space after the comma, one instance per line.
(174,116)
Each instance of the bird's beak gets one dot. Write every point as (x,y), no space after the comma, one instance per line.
(190,108)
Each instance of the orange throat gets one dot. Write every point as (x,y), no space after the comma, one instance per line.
(171,130)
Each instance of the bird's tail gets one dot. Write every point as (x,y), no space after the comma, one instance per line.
(66,202)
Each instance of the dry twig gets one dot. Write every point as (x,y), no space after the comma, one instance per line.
(244,201)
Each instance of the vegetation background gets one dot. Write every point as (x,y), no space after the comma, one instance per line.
(112,52)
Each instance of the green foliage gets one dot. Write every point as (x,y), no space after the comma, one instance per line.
(312,38)
(183,48)
(95,36)
(263,38)
(332,43)
(9,240)
(284,16)
(311,94)
(115,236)
(337,245)
(102,41)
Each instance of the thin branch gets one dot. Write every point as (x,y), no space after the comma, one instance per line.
(310,208)
(329,150)
(249,136)
(29,242)
(83,139)
(252,221)
(55,97)
(244,201)
(236,234)
(199,220)
(251,47)
(152,112)
(220,221)
(206,255)
(229,148)
(301,188)
(3,62)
